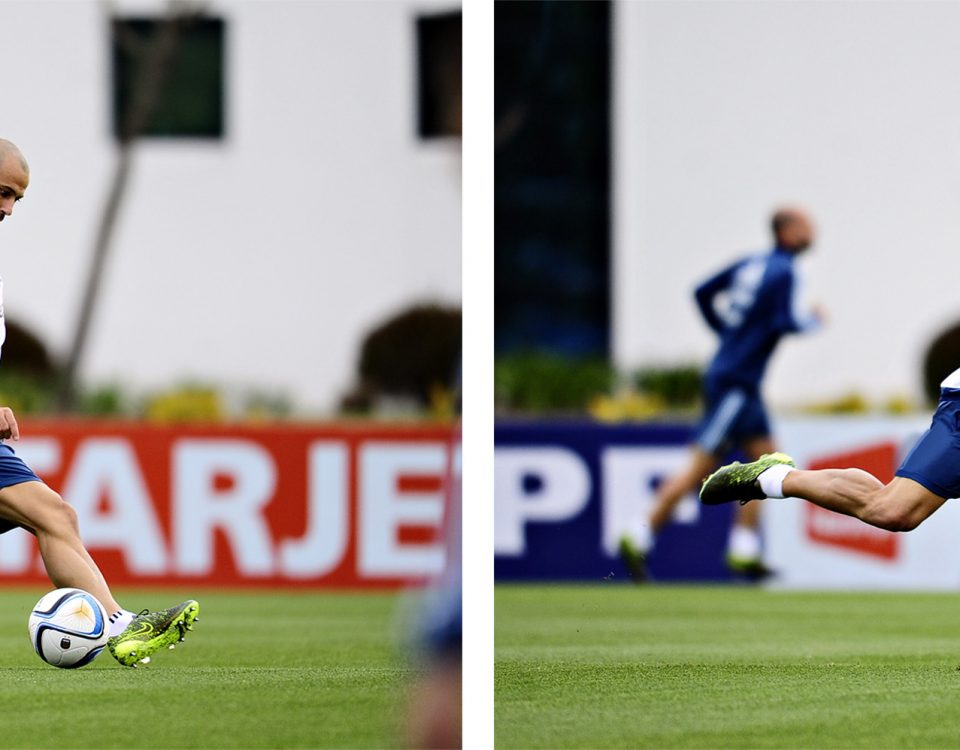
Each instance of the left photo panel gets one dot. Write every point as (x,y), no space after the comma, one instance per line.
(230,445)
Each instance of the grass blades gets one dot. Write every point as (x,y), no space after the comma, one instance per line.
(260,670)
(695,667)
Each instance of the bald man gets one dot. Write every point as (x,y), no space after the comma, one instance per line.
(750,305)
(28,503)
(15,176)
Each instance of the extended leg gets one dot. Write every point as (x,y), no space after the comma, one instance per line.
(40,510)
(634,547)
(43,512)
(674,489)
(901,505)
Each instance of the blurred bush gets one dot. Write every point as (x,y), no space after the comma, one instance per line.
(262,406)
(189,403)
(25,353)
(410,358)
(26,393)
(540,383)
(29,376)
(103,401)
(629,405)
(677,386)
(899,404)
(943,357)
(543,382)
(444,403)
(849,403)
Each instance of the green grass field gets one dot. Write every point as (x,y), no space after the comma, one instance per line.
(260,670)
(671,667)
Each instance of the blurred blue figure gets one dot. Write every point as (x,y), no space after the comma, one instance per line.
(750,305)
(434,719)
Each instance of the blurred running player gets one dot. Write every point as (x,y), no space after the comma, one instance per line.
(28,503)
(750,305)
(435,713)
(929,475)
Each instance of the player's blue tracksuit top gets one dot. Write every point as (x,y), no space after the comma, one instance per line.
(750,305)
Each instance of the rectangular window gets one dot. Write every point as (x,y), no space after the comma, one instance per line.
(439,74)
(168,77)
(552,177)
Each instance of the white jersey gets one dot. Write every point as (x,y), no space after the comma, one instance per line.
(952,381)
(3,324)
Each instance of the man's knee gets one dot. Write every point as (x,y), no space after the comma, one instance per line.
(896,518)
(67,513)
(62,513)
(895,512)
(902,505)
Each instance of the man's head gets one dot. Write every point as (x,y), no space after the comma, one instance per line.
(792,229)
(14,177)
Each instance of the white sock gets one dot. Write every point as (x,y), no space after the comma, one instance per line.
(771,480)
(642,536)
(119,621)
(744,543)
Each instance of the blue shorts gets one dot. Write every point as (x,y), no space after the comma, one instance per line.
(734,414)
(13,471)
(934,462)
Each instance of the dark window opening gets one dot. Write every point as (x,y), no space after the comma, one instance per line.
(552,177)
(168,77)
(439,74)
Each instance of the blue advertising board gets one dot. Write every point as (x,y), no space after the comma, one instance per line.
(566,491)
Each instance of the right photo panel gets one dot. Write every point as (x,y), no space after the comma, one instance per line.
(727,374)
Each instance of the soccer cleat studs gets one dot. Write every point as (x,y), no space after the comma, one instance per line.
(149,632)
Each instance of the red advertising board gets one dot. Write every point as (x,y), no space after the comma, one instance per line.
(338,505)
(845,532)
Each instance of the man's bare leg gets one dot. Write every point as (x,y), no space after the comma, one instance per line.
(40,510)
(636,544)
(901,505)
(43,512)
(674,489)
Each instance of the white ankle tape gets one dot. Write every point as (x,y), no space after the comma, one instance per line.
(771,480)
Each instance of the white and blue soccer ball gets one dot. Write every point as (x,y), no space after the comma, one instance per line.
(68,628)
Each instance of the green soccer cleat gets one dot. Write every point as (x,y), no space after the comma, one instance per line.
(633,560)
(751,569)
(738,481)
(149,632)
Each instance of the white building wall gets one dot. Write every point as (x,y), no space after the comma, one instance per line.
(725,109)
(255,261)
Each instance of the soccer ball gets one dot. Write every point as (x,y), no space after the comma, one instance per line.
(68,628)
